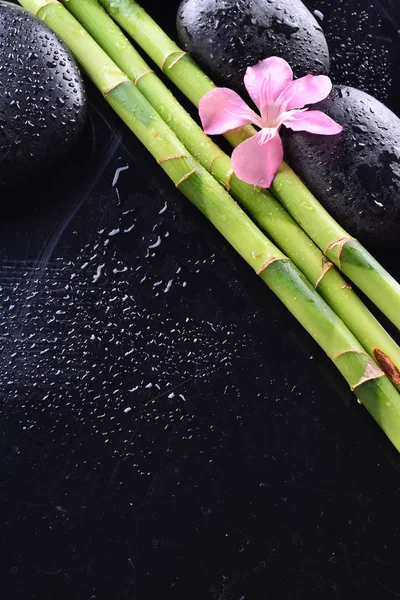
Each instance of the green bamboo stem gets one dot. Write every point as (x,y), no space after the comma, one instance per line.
(260,204)
(370,384)
(345,252)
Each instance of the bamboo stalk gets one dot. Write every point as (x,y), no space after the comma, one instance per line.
(338,246)
(260,204)
(370,384)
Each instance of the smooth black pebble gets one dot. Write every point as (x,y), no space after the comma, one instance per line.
(42,101)
(227,36)
(355,174)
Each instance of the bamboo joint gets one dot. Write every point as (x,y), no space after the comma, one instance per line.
(340,245)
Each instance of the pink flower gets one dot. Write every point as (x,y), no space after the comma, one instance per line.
(280,101)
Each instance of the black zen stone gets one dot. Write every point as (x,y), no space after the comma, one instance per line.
(227,36)
(42,99)
(355,174)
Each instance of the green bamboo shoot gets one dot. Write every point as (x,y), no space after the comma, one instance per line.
(365,378)
(260,204)
(338,246)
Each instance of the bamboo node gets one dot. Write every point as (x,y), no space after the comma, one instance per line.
(387,365)
(348,352)
(269,262)
(227,183)
(181,55)
(185,177)
(372,371)
(139,77)
(110,89)
(325,269)
(45,3)
(340,245)
(172,157)
(214,158)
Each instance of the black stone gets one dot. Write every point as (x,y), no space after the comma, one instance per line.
(227,36)
(42,100)
(355,174)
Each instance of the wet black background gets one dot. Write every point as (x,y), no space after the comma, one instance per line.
(167,429)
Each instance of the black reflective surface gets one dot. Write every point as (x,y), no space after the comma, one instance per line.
(167,429)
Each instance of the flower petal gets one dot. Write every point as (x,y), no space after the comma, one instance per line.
(313,121)
(307,90)
(274,70)
(223,109)
(257,163)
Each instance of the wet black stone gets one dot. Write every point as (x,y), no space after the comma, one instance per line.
(42,100)
(227,36)
(355,174)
